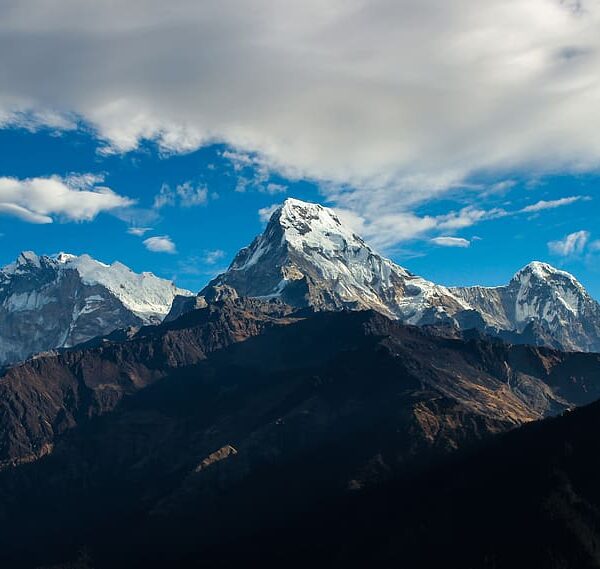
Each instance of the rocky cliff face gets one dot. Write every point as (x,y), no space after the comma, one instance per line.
(53,302)
(46,396)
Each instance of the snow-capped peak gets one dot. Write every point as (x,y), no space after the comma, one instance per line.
(48,302)
(145,294)
(23,261)
(63,257)
(549,298)
(312,225)
(28,258)
(537,277)
(543,271)
(306,255)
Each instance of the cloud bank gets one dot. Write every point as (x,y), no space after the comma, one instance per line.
(401,98)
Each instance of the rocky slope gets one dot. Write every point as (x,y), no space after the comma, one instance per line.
(529,498)
(48,395)
(307,257)
(52,302)
(241,414)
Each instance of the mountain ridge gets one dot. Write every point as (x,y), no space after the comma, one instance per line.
(49,302)
(307,257)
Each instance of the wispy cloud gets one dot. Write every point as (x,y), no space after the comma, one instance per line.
(594,246)
(211,257)
(184,195)
(552,204)
(252,172)
(570,245)
(34,120)
(388,229)
(445,241)
(265,213)
(138,231)
(160,244)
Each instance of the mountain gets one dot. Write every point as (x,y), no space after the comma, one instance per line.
(53,302)
(151,450)
(307,257)
(541,299)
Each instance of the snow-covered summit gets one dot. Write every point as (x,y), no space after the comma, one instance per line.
(544,271)
(540,295)
(55,301)
(145,294)
(309,224)
(307,256)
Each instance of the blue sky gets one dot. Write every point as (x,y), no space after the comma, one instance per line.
(217,212)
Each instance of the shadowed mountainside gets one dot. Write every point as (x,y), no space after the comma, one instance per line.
(244,414)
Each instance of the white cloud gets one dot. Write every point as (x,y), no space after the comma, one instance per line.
(446,241)
(388,229)
(570,245)
(185,195)
(138,231)
(40,200)
(211,257)
(552,204)
(160,244)
(265,213)
(252,173)
(34,120)
(272,188)
(399,99)
(23,214)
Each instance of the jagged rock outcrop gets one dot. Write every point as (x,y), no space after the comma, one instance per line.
(46,396)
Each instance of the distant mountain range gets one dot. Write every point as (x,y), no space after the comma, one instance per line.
(55,302)
(307,257)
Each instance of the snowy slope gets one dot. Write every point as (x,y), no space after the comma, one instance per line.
(51,302)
